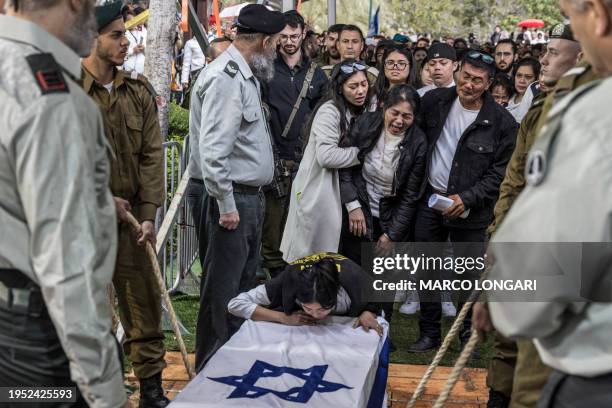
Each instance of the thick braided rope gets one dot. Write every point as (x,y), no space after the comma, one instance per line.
(459,366)
(457,324)
(165,297)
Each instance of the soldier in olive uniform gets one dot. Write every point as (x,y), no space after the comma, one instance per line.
(129,110)
(57,236)
(516,373)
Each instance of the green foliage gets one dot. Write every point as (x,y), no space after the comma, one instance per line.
(178,122)
(438,17)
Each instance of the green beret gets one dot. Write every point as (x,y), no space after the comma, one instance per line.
(108,12)
(562,31)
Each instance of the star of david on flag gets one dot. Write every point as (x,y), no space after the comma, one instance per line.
(313,377)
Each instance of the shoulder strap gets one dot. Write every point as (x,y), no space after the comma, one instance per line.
(296,107)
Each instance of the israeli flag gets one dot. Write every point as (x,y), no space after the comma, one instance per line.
(268,365)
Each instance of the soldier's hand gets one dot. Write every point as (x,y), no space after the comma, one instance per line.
(147,233)
(481,320)
(122,206)
(230,220)
(455,210)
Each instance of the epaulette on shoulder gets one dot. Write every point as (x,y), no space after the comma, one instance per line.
(141,79)
(47,73)
(231,68)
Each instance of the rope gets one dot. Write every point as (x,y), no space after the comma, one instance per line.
(440,354)
(463,357)
(166,298)
(459,366)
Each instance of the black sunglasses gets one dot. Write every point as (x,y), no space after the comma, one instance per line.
(355,66)
(477,55)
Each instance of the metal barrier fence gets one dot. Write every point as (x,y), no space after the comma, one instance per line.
(181,248)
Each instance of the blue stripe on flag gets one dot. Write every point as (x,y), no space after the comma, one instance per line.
(377,395)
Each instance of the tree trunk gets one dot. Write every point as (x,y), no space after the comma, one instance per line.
(161,31)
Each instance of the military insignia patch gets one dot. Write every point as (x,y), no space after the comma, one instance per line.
(231,69)
(48,73)
(557,30)
(536,167)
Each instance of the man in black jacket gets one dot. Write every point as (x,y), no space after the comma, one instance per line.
(292,69)
(471,139)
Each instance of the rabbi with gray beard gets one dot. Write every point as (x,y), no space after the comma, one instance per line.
(231,159)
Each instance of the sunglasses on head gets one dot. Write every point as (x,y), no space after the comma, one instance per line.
(477,55)
(355,66)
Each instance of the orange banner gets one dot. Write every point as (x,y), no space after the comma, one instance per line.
(184,15)
(217,18)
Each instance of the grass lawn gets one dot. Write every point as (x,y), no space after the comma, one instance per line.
(404,330)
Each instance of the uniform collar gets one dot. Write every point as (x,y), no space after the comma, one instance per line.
(89,80)
(237,57)
(24,31)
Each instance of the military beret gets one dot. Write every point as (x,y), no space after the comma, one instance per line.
(562,31)
(256,18)
(441,50)
(107,12)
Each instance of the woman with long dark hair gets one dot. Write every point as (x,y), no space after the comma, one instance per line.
(308,291)
(526,72)
(314,218)
(397,67)
(381,194)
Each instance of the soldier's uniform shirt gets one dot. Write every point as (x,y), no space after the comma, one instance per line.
(132,129)
(137,175)
(229,136)
(514,180)
(57,215)
(570,200)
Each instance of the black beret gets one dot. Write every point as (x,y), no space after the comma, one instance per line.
(441,50)
(107,13)
(562,31)
(256,18)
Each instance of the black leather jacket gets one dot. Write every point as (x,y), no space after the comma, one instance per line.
(396,211)
(481,157)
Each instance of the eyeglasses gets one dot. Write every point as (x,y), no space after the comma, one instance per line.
(401,65)
(292,37)
(477,55)
(350,68)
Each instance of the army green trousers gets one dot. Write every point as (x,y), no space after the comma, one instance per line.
(517,371)
(274,224)
(139,306)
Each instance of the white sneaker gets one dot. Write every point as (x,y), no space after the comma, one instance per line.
(448,309)
(409,308)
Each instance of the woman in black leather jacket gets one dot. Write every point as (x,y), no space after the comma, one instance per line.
(380,195)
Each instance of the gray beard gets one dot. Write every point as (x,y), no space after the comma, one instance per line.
(263,66)
(81,36)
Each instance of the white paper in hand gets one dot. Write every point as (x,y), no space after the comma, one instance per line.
(441,203)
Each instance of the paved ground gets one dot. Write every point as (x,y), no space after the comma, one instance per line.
(470,391)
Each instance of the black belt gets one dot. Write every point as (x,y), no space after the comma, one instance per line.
(244,189)
(20,294)
(432,190)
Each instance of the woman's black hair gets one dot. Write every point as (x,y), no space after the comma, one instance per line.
(319,283)
(337,79)
(528,61)
(402,93)
(502,80)
(382,83)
